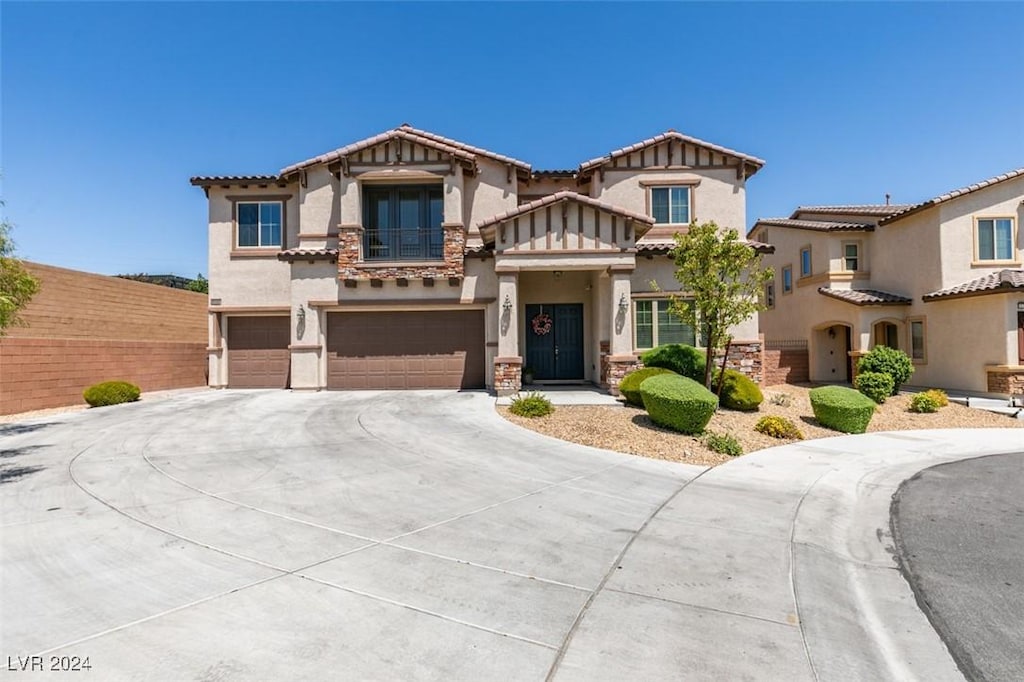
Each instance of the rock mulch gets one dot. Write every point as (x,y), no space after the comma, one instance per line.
(628,429)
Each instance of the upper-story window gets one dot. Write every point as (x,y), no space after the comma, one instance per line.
(805,261)
(851,256)
(259,223)
(995,239)
(403,222)
(769,294)
(787,279)
(671,205)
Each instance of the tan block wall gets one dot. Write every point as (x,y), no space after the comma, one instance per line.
(80,305)
(86,328)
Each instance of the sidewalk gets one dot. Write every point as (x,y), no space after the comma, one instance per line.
(778,565)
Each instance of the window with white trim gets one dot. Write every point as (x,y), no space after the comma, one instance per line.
(851,256)
(671,205)
(995,239)
(259,223)
(654,323)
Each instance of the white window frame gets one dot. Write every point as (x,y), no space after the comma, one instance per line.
(669,188)
(995,247)
(259,226)
(860,262)
(654,322)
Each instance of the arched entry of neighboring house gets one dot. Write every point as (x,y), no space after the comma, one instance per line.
(830,353)
(886,333)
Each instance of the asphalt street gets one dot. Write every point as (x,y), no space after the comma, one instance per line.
(960,534)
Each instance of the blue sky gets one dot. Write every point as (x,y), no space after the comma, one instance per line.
(108,109)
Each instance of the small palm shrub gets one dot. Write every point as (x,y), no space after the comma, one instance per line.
(684,360)
(842,409)
(739,392)
(923,402)
(938,395)
(111,393)
(723,443)
(532,404)
(678,403)
(874,385)
(778,427)
(629,387)
(889,361)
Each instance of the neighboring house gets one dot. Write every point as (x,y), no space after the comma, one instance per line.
(941,280)
(410,260)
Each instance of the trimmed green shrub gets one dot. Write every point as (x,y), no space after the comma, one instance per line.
(111,393)
(532,404)
(678,403)
(739,392)
(875,385)
(629,387)
(778,427)
(842,409)
(889,361)
(684,360)
(938,395)
(723,443)
(924,402)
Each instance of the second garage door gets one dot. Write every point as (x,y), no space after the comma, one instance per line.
(258,355)
(405,350)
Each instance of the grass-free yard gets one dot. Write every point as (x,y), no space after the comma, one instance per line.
(628,429)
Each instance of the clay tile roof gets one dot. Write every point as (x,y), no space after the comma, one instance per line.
(558,197)
(910,210)
(464,147)
(816,225)
(996,283)
(308,254)
(852,209)
(668,135)
(556,173)
(400,133)
(207,180)
(864,296)
(663,246)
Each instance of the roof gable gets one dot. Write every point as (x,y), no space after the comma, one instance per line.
(814,225)
(673,149)
(954,194)
(875,210)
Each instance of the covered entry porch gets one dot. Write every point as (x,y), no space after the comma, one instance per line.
(564,265)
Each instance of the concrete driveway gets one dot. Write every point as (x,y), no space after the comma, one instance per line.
(257,535)
(278,535)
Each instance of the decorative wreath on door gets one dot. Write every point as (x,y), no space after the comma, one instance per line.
(541,324)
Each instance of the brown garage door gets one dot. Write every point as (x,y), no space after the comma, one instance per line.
(258,355)
(396,350)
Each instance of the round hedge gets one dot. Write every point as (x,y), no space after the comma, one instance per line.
(678,403)
(842,409)
(885,360)
(875,385)
(629,387)
(111,393)
(684,360)
(739,392)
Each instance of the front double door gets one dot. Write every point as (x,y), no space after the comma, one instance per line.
(554,341)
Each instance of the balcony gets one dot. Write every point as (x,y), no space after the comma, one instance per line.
(408,244)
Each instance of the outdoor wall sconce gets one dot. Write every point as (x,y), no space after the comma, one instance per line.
(623,302)
(506,305)
(300,322)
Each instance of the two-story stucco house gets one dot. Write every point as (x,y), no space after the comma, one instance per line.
(411,260)
(941,280)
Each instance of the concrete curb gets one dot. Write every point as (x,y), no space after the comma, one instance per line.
(858,616)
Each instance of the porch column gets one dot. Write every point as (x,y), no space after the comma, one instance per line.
(621,360)
(508,365)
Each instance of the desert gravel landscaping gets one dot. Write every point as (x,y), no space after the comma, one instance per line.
(628,429)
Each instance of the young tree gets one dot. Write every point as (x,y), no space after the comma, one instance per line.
(200,284)
(724,282)
(17,286)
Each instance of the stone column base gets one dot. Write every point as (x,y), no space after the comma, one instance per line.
(619,366)
(508,375)
(1005,380)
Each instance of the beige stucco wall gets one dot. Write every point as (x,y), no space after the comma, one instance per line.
(488,193)
(720,196)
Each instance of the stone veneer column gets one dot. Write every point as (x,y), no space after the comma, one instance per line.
(620,360)
(508,365)
(350,250)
